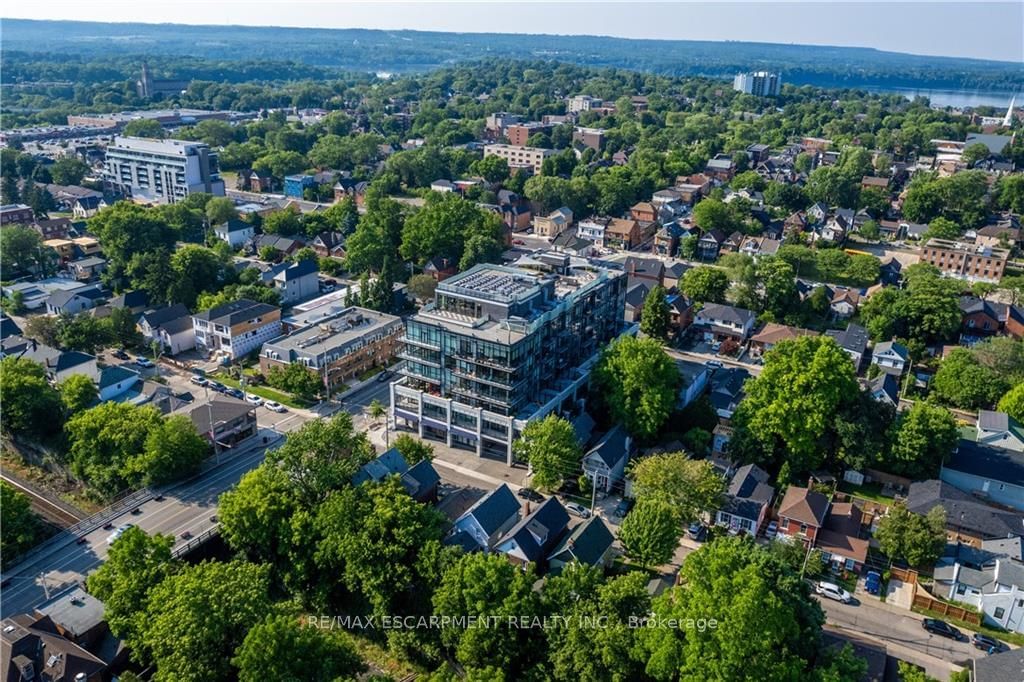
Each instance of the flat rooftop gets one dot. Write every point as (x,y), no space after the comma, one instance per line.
(351,324)
(964,247)
(493,282)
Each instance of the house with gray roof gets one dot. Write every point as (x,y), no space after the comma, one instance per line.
(988,581)
(486,521)
(294,282)
(536,534)
(237,233)
(968,519)
(589,543)
(853,340)
(891,356)
(171,326)
(115,381)
(605,463)
(73,302)
(885,388)
(719,321)
(1002,667)
(747,500)
(999,429)
(988,472)
(420,480)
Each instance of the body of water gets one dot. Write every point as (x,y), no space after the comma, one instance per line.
(956,98)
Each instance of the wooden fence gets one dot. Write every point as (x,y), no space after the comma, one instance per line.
(925,601)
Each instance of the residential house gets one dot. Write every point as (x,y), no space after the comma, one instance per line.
(710,245)
(694,381)
(990,473)
(135,301)
(11,214)
(680,311)
(32,649)
(282,246)
(802,514)
(440,268)
(871,181)
(87,269)
(1002,235)
(605,463)
(643,211)
(837,226)
(87,207)
(261,181)
(329,245)
(171,326)
(223,421)
(237,233)
(115,381)
(839,541)
(843,301)
(8,327)
(295,282)
(853,340)
(442,186)
(771,333)
(692,188)
(727,390)
(635,297)
(1015,322)
(747,501)
(668,238)
(58,364)
(720,322)
(420,480)
(885,388)
(989,581)
(968,519)
(295,185)
(534,537)
(673,274)
(647,270)
(755,247)
(569,243)
(796,223)
(79,617)
(237,328)
(892,356)
(890,272)
(593,229)
(589,543)
(721,167)
(758,153)
(981,317)
(999,429)
(553,224)
(55,228)
(483,524)
(73,302)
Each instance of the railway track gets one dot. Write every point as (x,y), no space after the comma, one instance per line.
(49,510)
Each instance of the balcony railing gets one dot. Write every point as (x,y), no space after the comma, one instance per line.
(419,342)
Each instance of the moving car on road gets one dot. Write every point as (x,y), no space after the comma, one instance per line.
(942,629)
(119,532)
(274,406)
(833,591)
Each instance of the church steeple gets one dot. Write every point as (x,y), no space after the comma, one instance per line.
(1008,119)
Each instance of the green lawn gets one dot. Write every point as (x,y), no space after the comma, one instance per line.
(1002,635)
(868,491)
(262,391)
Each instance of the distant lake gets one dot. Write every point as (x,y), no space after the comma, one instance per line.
(955,98)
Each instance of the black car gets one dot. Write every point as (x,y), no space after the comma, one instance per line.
(234,393)
(120,355)
(383,376)
(216,386)
(988,644)
(530,494)
(942,629)
(622,508)
(185,397)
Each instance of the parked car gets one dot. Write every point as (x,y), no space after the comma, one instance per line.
(121,355)
(697,531)
(198,380)
(253,399)
(771,530)
(274,406)
(215,386)
(530,494)
(988,644)
(942,629)
(185,397)
(873,582)
(623,508)
(384,376)
(234,393)
(833,591)
(144,362)
(577,510)
(119,532)
(518,242)
(714,364)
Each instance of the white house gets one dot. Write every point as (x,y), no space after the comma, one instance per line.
(746,500)
(237,233)
(483,524)
(593,229)
(171,326)
(115,381)
(992,584)
(1000,430)
(605,463)
(891,356)
(721,321)
(296,281)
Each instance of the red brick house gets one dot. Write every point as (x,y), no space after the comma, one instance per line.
(839,541)
(1015,322)
(440,268)
(644,211)
(802,514)
(980,317)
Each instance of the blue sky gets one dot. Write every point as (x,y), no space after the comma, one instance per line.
(988,30)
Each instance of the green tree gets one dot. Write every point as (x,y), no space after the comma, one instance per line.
(136,563)
(492,168)
(377,235)
(655,317)
(444,226)
(281,163)
(974,153)
(690,486)
(285,223)
(791,407)
(172,450)
(918,539)
(282,648)
(489,586)
(82,332)
(77,393)
(551,448)
(31,407)
(68,170)
(942,228)
(220,210)
(841,664)
(1012,403)
(20,528)
(105,441)
(925,436)
(422,287)
(255,517)
(197,618)
(413,449)
(964,382)
(705,284)
(121,328)
(127,231)
(297,379)
(322,456)
(767,625)
(639,383)
(144,127)
(650,533)
(22,250)
(712,214)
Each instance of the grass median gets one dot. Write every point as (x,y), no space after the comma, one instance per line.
(263,392)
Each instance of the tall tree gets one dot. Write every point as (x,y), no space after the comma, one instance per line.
(655,316)
(282,648)
(20,528)
(690,486)
(552,450)
(639,383)
(650,533)
(705,284)
(918,539)
(925,437)
(77,393)
(31,406)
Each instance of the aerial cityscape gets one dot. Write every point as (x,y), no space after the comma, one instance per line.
(499,341)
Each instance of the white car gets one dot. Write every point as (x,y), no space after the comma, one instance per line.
(577,509)
(144,362)
(119,532)
(253,399)
(833,591)
(274,406)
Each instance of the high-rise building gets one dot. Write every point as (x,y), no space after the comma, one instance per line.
(161,171)
(503,345)
(758,83)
